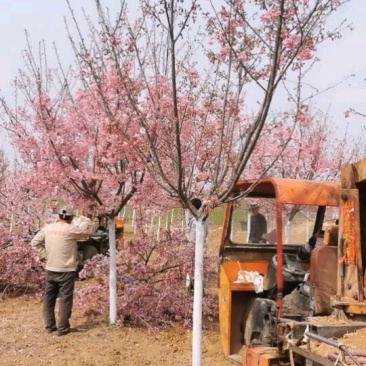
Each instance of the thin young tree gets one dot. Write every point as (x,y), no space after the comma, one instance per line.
(4,169)
(69,139)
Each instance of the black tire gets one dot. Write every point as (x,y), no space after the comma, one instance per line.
(89,252)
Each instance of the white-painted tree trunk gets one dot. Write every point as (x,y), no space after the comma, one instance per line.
(287,231)
(112,272)
(11,223)
(158,229)
(198,295)
(134,221)
(151,229)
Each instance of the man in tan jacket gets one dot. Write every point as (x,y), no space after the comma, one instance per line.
(56,245)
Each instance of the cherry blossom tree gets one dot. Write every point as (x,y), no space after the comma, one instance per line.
(3,173)
(71,141)
(3,214)
(306,147)
(68,140)
(4,165)
(183,108)
(22,207)
(305,150)
(20,216)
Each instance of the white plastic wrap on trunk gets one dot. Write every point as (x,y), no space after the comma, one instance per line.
(112,273)
(198,294)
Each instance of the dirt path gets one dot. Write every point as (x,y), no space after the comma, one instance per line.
(23,341)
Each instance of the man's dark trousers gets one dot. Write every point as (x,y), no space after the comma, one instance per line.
(62,284)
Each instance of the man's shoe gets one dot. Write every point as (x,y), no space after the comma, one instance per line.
(51,330)
(66,331)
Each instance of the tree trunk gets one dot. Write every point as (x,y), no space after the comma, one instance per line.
(112,272)
(198,294)
(287,230)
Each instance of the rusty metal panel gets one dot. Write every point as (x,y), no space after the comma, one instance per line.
(350,278)
(261,356)
(323,277)
(353,173)
(308,355)
(225,311)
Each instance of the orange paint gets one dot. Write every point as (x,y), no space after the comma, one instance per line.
(348,213)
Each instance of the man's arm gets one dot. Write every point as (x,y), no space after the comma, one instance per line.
(190,226)
(86,227)
(38,245)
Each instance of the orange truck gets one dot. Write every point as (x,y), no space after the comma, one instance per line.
(276,297)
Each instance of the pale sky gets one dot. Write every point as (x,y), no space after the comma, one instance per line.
(43,19)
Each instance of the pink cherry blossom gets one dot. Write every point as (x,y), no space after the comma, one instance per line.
(289,43)
(269,16)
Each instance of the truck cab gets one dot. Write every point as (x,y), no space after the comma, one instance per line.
(256,278)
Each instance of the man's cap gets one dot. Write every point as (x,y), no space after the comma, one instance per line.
(66,211)
(253,206)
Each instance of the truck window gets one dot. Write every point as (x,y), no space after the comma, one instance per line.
(242,217)
(298,222)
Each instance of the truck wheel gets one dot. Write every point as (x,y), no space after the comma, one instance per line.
(89,252)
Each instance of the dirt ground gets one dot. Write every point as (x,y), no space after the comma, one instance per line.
(23,341)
